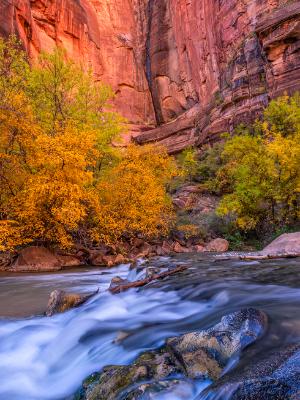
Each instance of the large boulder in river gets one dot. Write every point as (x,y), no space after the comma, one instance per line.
(205,354)
(40,259)
(288,243)
(275,377)
(201,355)
(36,259)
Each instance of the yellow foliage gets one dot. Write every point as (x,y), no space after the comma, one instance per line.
(264,170)
(60,178)
(189,230)
(56,195)
(132,195)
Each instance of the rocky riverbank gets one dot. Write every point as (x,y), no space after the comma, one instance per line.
(41,259)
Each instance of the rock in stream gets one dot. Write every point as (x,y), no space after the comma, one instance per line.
(201,355)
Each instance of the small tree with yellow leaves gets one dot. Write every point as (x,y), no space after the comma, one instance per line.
(54,131)
(132,196)
(58,183)
(264,169)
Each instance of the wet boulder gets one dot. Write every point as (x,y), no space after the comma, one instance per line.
(275,377)
(285,246)
(205,354)
(115,380)
(144,250)
(60,301)
(117,281)
(102,259)
(201,355)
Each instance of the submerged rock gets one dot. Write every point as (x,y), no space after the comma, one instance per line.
(117,281)
(202,354)
(275,377)
(205,354)
(60,301)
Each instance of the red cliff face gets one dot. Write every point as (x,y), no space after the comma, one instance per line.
(103,34)
(195,68)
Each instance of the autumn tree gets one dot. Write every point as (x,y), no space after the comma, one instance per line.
(61,179)
(17,134)
(188,162)
(264,169)
(132,195)
(54,131)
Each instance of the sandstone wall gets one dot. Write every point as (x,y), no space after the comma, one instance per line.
(103,34)
(233,55)
(195,68)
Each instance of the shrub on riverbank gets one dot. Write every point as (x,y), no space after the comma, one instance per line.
(61,179)
(256,171)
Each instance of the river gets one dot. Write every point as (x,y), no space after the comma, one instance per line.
(47,358)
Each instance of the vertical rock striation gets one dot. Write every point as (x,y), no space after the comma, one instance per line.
(102,34)
(233,56)
(193,68)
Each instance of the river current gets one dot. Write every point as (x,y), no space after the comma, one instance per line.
(47,358)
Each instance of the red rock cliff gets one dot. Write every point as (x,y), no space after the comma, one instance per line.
(195,68)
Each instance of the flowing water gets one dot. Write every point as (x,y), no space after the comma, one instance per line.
(47,358)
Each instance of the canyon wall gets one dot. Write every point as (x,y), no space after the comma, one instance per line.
(183,71)
(102,34)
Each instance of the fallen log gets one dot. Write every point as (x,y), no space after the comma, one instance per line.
(258,257)
(125,286)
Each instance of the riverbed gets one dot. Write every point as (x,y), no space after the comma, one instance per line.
(47,358)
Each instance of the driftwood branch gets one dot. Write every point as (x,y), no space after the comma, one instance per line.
(258,257)
(122,287)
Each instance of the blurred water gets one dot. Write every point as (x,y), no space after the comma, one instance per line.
(47,358)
